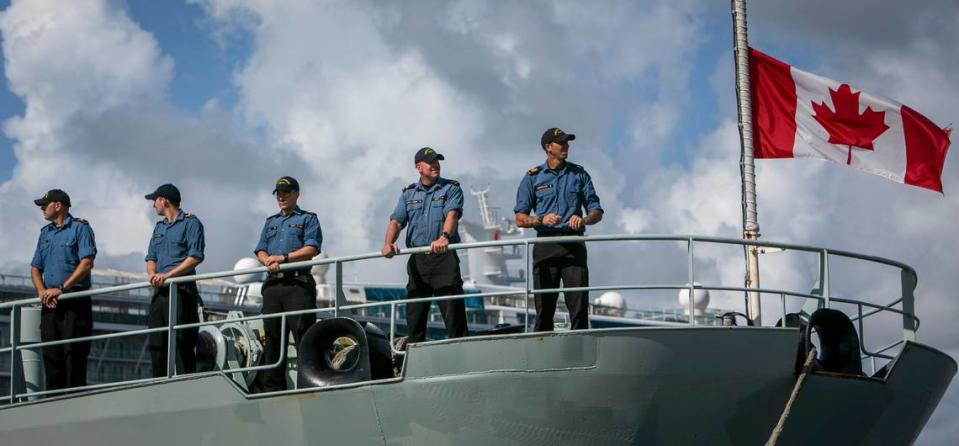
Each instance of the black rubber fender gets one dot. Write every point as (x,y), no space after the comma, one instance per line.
(315,368)
(838,342)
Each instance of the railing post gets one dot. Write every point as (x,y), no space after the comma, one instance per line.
(529,276)
(824,273)
(691,284)
(171,333)
(908,305)
(782,300)
(14,353)
(339,297)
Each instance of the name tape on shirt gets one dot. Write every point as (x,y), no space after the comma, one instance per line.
(543,186)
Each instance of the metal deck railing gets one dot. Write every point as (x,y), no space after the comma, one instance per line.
(903,305)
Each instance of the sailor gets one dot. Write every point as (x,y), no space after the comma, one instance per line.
(550,199)
(431,208)
(175,249)
(61,264)
(291,235)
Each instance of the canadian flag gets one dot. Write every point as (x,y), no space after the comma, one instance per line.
(797,114)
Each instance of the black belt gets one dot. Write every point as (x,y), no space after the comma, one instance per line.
(288,274)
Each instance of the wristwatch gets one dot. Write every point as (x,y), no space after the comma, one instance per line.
(446,234)
(286,258)
(539,221)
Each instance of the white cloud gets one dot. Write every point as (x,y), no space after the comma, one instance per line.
(361,88)
(97,125)
(61,77)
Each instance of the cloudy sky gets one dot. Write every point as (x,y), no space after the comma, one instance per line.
(109,98)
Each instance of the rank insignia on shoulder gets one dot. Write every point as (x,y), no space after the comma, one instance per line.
(412,185)
(533,171)
(80,220)
(454,182)
(187,215)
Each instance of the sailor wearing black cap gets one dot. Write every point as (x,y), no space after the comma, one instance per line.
(430,210)
(556,192)
(62,263)
(175,249)
(292,235)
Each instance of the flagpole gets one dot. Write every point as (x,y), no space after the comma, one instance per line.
(747,167)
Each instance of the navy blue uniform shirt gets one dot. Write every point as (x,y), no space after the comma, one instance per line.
(283,234)
(424,209)
(173,242)
(564,192)
(59,251)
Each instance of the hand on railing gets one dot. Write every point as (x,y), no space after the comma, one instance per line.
(157,279)
(440,245)
(49,296)
(389,250)
(273,263)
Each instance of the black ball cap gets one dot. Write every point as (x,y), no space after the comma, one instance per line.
(427,155)
(286,184)
(555,135)
(53,195)
(168,191)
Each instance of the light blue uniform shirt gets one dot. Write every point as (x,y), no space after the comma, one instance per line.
(564,192)
(59,251)
(424,210)
(173,242)
(283,234)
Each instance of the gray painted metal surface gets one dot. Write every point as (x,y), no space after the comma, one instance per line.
(615,386)
(605,387)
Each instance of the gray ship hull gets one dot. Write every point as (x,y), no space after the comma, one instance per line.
(605,387)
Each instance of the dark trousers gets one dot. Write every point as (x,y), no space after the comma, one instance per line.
(66,365)
(553,262)
(281,295)
(188,302)
(433,275)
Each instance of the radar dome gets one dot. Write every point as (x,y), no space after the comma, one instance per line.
(700,300)
(612,299)
(247,263)
(320,270)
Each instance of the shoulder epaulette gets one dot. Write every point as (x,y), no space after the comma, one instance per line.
(533,171)
(454,182)
(188,215)
(80,220)
(309,213)
(412,185)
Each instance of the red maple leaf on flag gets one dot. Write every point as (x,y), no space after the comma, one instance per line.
(846,125)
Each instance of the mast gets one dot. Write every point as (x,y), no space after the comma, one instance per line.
(746,163)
